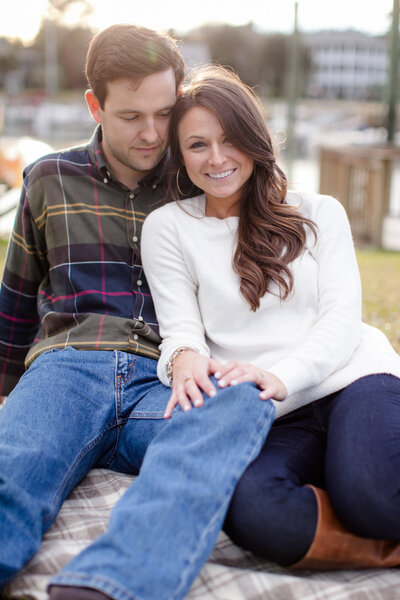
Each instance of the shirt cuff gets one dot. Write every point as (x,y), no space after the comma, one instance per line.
(294,374)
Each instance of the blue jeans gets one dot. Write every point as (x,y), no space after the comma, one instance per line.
(72,411)
(347,443)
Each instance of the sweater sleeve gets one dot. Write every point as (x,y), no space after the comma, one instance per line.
(24,269)
(336,332)
(173,287)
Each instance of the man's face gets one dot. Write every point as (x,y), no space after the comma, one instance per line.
(135,122)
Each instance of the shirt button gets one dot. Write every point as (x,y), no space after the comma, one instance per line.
(135,238)
(132,195)
(136,337)
(105,180)
(139,282)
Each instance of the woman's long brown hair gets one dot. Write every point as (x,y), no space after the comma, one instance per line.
(271,233)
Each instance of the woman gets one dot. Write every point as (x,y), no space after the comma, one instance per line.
(255,283)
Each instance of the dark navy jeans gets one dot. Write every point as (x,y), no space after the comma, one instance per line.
(347,443)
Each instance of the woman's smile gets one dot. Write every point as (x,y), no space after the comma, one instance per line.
(222,175)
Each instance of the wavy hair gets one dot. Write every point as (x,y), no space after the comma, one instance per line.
(271,233)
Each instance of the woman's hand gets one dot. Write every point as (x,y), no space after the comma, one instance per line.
(234,372)
(191,374)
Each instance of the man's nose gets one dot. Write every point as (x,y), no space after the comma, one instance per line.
(149,132)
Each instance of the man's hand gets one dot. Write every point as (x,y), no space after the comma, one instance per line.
(236,372)
(191,374)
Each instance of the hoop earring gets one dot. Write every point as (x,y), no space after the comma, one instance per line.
(178,186)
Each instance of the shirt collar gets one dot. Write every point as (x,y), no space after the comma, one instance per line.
(157,175)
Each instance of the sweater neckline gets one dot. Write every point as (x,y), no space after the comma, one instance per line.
(200,204)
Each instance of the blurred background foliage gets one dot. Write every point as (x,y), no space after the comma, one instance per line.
(259,58)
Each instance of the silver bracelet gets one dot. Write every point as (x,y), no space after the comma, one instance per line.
(170,364)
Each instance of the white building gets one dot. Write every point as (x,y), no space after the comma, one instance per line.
(347,64)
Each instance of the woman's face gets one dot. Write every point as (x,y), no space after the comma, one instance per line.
(212,163)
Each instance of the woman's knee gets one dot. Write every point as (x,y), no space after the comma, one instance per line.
(368,510)
(271,516)
(363,457)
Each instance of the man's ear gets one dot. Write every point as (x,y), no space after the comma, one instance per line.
(93,105)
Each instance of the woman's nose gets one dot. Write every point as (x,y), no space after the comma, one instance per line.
(217,156)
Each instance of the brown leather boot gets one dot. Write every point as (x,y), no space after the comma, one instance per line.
(335,547)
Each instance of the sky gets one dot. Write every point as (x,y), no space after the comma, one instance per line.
(21,18)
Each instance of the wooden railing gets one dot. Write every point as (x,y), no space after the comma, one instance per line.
(359,177)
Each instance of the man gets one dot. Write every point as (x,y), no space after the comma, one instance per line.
(76,313)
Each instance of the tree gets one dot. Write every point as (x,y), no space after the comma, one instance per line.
(235,47)
(62,41)
(259,59)
(9,58)
(63,10)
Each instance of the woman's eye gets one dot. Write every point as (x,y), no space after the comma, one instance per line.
(197,145)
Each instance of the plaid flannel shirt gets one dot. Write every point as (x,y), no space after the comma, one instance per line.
(73,273)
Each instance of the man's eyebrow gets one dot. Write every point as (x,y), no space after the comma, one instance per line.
(127,111)
(130,111)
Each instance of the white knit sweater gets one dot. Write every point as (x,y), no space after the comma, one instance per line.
(314,341)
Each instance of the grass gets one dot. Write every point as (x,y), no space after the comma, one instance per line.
(380,275)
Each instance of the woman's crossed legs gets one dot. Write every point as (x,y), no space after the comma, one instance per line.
(348,443)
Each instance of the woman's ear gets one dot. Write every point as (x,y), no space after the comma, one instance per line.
(93,105)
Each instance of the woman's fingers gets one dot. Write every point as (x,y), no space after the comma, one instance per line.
(272,387)
(193,392)
(214,366)
(242,375)
(204,382)
(180,397)
(192,378)
(234,373)
(224,370)
(173,401)
(271,392)
(187,393)
(190,365)
(238,373)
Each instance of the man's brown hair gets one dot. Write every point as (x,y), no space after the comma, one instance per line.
(130,51)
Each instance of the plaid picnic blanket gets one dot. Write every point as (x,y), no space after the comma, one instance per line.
(229,574)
